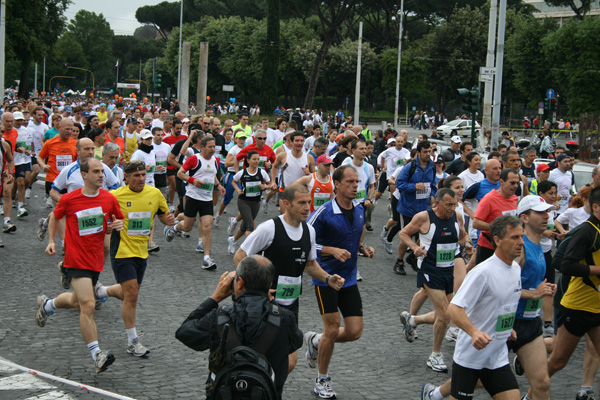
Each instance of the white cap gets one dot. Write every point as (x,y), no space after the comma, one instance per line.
(18,115)
(145,134)
(391,140)
(535,203)
(456,139)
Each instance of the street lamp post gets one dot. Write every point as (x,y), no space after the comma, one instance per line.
(399,61)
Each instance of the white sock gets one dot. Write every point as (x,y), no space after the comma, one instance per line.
(206,257)
(101,292)
(584,390)
(437,395)
(433,354)
(94,349)
(62,244)
(411,321)
(19,204)
(131,334)
(175,228)
(49,307)
(317,339)
(6,220)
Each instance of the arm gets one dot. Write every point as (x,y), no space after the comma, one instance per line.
(167,219)
(421,219)
(581,243)
(314,269)
(479,339)
(229,160)
(239,256)
(172,161)
(468,210)
(52,229)
(278,162)
(544,289)
(481,225)
(402,183)
(311,164)
(186,144)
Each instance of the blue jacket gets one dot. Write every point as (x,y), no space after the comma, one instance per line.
(408,204)
(480,189)
(333,229)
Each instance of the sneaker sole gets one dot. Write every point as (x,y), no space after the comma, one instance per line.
(209,267)
(10,230)
(436,368)
(109,361)
(333,396)
(65,282)
(154,250)
(138,354)
(405,322)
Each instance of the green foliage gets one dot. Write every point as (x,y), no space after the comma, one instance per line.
(580,8)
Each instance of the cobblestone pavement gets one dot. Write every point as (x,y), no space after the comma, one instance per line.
(381,365)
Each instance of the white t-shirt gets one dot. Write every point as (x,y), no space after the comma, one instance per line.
(546,242)
(38,134)
(263,235)
(489,295)
(148,159)
(274,136)
(157,122)
(234,151)
(309,143)
(161,152)
(366,177)
(394,158)
(469,179)
(564,181)
(395,175)
(573,217)
(24,139)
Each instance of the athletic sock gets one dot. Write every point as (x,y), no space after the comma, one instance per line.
(6,220)
(49,306)
(19,205)
(525,398)
(131,335)
(206,257)
(547,324)
(94,348)
(102,292)
(437,395)
(175,228)
(323,376)
(584,390)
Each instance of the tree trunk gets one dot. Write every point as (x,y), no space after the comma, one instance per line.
(24,83)
(316,69)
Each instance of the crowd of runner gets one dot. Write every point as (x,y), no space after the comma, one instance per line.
(484,237)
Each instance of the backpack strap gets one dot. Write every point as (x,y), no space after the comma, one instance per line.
(233,340)
(271,330)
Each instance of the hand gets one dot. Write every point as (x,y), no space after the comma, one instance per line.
(419,252)
(267,164)
(513,335)
(9,178)
(306,170)
(341,254)
(51,249)
(170,219)
(549,234)
(368,251)
(368,205)
(46,168)
(223,289)
(274,186)
(480,339)
(222,190)
(160,168)
(545,289)
(336,282)
(561,236)
(198,182)
(240,192)
(148,167)
(117,224)
(262,186)
(272,294)
(420,186)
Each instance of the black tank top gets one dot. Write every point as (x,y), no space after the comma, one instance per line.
(251,185)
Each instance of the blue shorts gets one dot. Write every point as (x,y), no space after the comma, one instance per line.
(126,269)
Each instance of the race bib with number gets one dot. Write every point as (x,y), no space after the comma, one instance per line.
(424,194)
(252,189)
(320,199)
(288,289)
(151,170)
(533,308)
(218,149)
(139,223)
(262,161)
(90,221)
(505,321)
(361,194)
(444,255)
(24,145)
(206,187)
(399,161)
(62,160)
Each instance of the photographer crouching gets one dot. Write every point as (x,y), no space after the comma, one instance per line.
(251,327)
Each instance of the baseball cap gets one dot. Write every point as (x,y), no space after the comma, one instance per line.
(18,115)
(85,114)
(391,140)
(68,109)
(186,119)
(132,121)
(456,139)
(561,157)
(535,203)
(147,117)
(102,104)
(145,134)
(437,158)
(324,159)
(542,167)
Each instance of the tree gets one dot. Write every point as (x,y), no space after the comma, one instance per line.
(332,14)
(164,16)
(31,31)
(580,11)
(270,63)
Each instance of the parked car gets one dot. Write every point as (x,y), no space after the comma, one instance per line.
(461,127)
(582,172)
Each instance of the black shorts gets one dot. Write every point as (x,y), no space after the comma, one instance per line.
(160,180)
(395,213)
(34,160)
(172,172)
(193,207)
(126,269)
(383,182)
(404,220)
(436,278)
(20,170)
(550,273)
(527,331)
(49,186)
(483,253)
(294,308)
(74,273)
(347,300)
(577,322)
(494,381)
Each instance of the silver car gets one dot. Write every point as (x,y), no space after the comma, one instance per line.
(460,127)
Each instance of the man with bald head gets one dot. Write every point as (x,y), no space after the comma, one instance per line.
(57,153)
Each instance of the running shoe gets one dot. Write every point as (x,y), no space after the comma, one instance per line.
(411,259)
(21,212)
(1,243)
(200,246)
(358,276)
(41,316)
(399,267)
(232,225)
(383,235)
(171,208)
(169,233)
(137,349)
(65,281)
(436,363)
(42,229)
(323,389)
(231,245)
(408,326)
(49,202)
(452,333)
(27,193)
(548,331)
(217,220)
(265,207)
(589,395)
(209,264)
(369,228)
(427,391)
(99,300)
(153,247)
(388,246)
(517,366)
(184,234)
(312,352)
(103,360)
(9,227)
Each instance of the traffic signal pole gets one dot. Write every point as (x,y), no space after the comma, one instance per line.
(498,78)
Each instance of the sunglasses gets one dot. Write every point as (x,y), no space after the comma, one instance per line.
(261,138)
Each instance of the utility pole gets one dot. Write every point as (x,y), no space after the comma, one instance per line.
(2,41)
(498,80)
(486,120)
(44,76)
(184,94)
(180,36)
(35,79)
(202,78)
(399,63)
(358,68)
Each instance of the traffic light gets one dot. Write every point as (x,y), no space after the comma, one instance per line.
(66,66)
(470,99)
(157,80)
(547,104)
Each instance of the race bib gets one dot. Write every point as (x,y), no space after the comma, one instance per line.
(162,163)
(206,187)
(252,189)
(444,255)
(550,227)
(533,307)
(424,194)
(62,160)
(361,194)
(510,212)
(218,149)
(24,144)
(505,321)
(399,161)
(151,170)
(262,161)
(320,199)
(139,223)
(288,289)
(90,221)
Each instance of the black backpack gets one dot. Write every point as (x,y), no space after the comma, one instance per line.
(241,372)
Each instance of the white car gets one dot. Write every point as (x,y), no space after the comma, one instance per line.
(460,127)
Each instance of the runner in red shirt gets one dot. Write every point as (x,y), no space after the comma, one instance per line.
(87,212)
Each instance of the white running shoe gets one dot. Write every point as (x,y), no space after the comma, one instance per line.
(427,391)
(137,349)
(231,244)
(21,212)
(49,202)
(27,193)
(217,220)
(436,363)
(452,333)
(312,352)
(200,246)
(323,389)
(232,225)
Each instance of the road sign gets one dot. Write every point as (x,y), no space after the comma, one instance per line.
(541,105)
(128,85)
(228,88)
(550,93)
(541,110)
(487,71)
(486,78)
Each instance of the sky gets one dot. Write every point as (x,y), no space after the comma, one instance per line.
(120,14)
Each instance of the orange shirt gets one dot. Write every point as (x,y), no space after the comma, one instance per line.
(59,153)
(320,192)
(11,136)
(119,141)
